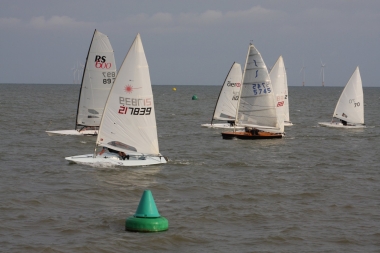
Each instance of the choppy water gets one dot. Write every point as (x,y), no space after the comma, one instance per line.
(316,190)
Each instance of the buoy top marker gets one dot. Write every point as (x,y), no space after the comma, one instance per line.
(147,207)
(146,218)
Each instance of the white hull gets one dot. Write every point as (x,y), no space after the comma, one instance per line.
(73,132)
(113,160)
(222,125)
(340,125)
(288,123)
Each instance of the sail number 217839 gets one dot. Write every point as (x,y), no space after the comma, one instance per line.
(135,110)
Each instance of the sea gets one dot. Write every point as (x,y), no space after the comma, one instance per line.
(315,190)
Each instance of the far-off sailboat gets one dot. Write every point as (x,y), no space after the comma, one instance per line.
(280,86)
(350,107)
(225,108)
(257,102)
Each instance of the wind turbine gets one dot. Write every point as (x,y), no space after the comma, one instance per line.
(303,71)
(323,73)
(74,73)
(78,70)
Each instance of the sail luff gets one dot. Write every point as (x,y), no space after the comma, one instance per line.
(81,85)
(242,84)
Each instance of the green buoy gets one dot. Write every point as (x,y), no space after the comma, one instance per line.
(194,97)
(146,218)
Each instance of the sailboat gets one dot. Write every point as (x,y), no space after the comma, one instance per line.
(350,107)
(257,103)
(98,76)
(128,131)
(280,87)
(225,108)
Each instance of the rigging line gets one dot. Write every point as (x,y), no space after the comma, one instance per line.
(92,93)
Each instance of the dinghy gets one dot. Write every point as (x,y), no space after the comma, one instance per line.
(128,131)
(257,103)
(280,86)
(98,76)
(350,107)
(225,108)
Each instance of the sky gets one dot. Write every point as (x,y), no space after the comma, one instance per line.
(193,42)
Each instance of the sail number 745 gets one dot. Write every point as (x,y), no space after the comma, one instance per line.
(261,88)
(135,110)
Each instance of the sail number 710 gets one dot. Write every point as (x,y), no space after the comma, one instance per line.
(352,101)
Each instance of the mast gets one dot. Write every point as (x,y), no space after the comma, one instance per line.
(241,88)
(84,71)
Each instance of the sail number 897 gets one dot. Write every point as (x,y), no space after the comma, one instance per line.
(261,88)
(109,77)
(135,110)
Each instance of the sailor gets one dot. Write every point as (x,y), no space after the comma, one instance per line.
(120,153)
(255,131)
(103,151)
(110,153)
(123,155)
(248,129)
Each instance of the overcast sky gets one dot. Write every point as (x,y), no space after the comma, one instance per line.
(193,42)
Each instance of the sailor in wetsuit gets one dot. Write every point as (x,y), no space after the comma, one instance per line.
(122,155)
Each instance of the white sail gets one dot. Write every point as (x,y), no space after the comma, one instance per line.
(98,77)
(129,122)
(226,105)
(350,106)
(280,87)
(257,106)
